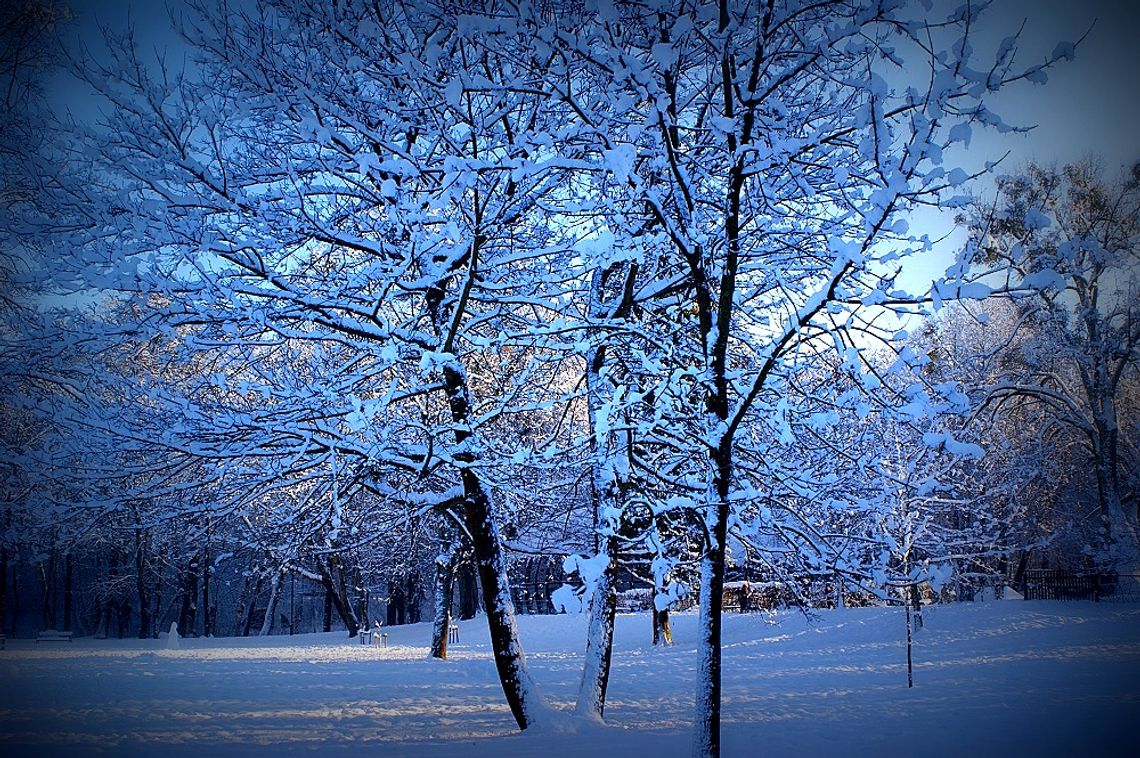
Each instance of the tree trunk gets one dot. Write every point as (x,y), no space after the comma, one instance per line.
(706,739)
(328,611)
(444,581)
(104,627)
(207,620)
(343,607)
(140,584)
(412,614)
(479,518)
(245,618)
(468,592)
(509,657)
(599,640)
(347,609)
(15,599)
(68,591)
(124,617)
(3,587)
(662,630)
(47,578)
(271,608)
(395,601)
(188,615)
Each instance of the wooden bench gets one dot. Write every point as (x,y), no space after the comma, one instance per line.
(51,635)
(453,633)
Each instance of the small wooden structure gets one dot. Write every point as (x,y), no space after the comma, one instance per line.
(51,635)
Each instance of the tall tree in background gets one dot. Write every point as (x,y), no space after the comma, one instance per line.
(1071,237)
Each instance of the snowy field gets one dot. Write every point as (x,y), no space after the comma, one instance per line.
(1002,679)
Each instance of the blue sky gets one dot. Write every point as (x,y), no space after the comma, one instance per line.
(1089,107)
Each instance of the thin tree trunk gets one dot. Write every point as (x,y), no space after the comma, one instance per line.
(68,590)
(328,610)
(207,620)
(15,599)
(140,584)
(109,601)
(47,578)
(3,586)
(274,591)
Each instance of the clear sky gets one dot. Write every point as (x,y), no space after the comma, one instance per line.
(1089,107)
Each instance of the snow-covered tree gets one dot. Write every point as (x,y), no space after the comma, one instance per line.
(1069,237)
(758,160)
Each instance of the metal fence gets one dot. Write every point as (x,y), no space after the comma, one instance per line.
(1053,584)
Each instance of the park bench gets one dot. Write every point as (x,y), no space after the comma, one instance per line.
(51,635)
(453,633)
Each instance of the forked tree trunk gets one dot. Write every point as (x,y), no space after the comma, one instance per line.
(340,603)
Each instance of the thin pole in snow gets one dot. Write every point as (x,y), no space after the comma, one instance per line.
(909,664)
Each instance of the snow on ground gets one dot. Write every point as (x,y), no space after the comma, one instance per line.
(998,678)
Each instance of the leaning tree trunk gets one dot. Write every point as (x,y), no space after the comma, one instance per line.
(479,519)
(607,500)
(599,639)
(444,582)
(339,601)
(271,608)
